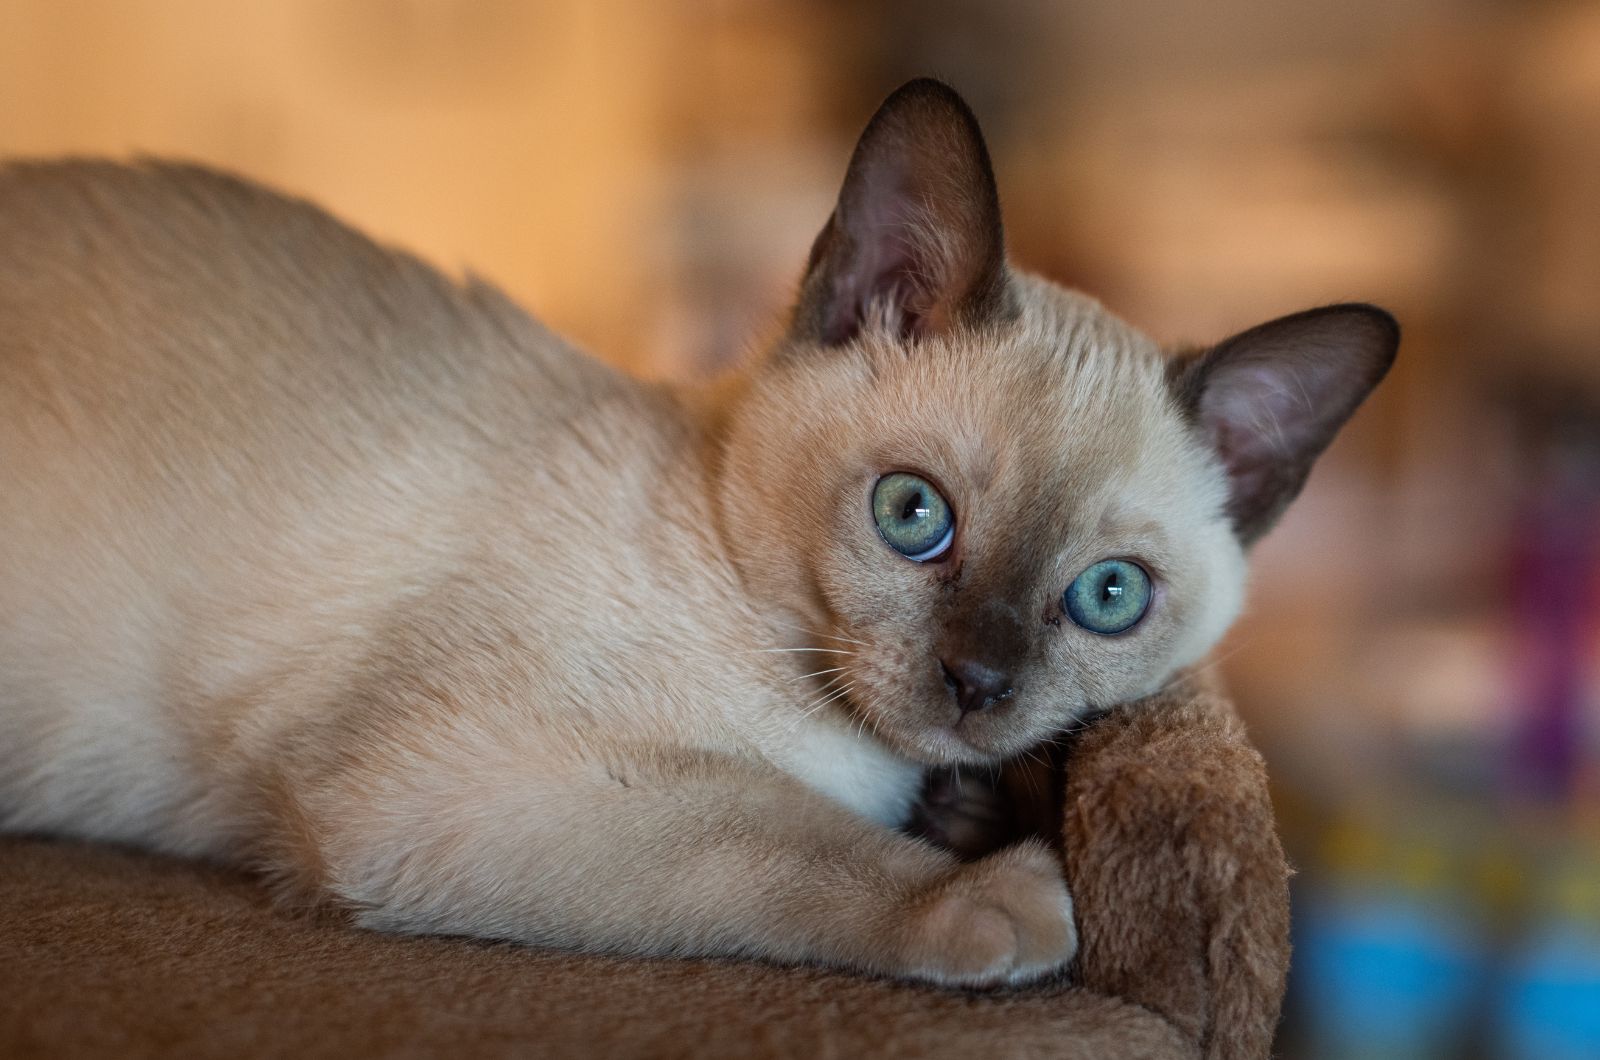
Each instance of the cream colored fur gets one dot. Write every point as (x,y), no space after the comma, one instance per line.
(313,559)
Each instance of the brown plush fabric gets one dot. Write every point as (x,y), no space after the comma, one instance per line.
(1178,877)
(1172,844)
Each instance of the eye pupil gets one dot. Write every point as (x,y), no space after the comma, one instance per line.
(913,507)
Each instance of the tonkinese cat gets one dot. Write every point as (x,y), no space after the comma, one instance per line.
(316,561)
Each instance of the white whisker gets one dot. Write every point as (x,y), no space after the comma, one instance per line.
(816,633)
(779,651)
(861,728)
(817,673)
(837,694)
(820,702)
(828,688)
(1211,664)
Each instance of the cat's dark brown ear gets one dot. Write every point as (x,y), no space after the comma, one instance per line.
(1271,399)
(916,234)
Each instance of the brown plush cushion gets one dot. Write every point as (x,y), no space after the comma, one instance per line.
(1175,866)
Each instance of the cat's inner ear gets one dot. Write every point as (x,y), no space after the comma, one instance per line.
(1271,399)
(915,242)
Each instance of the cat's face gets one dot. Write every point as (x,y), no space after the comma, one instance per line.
(992,505)
(1039,450)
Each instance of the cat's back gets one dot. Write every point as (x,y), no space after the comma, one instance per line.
(156,311)
(234,435)
(189,358)
(158,279)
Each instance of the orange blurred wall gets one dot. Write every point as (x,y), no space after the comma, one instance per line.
(521,139)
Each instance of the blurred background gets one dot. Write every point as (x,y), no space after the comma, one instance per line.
(1421,662)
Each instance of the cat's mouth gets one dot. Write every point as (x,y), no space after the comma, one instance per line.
(920,733)
(894,695)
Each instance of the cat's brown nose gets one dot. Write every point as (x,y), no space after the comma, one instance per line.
(976,686)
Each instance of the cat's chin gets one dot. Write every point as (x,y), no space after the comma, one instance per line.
(949,748)
(940,745)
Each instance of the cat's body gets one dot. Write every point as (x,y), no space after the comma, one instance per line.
(314,560)
(454,495)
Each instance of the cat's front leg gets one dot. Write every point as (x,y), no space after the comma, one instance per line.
(691,855)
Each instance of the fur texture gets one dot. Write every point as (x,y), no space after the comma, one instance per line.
(314,560)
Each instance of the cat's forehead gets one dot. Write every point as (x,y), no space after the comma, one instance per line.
(1065,391)
(1058,428)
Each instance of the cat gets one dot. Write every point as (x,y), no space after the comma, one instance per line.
(315,561)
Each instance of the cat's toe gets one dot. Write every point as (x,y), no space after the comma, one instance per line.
(1004,920)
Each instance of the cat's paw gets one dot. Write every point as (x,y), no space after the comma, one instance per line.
(1004,920)
(963,811)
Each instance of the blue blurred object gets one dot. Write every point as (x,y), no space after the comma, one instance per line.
(1386,973)
(1549,999)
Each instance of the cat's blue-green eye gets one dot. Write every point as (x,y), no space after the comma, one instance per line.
(912,517)
(1109,597)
